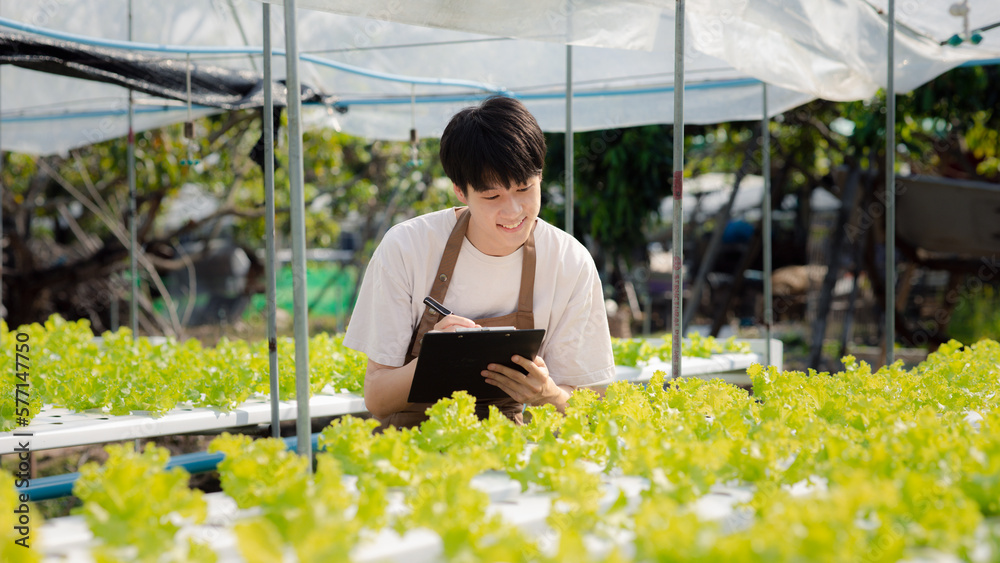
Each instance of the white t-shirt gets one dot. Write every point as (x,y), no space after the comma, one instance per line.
(568,299)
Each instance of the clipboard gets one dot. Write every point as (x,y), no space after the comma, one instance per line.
(453,361)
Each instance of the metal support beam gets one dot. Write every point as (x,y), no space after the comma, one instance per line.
(890,192)
(2,310)
(765,164)
(267,116)
(570,190)
(298,214)
(130,163)
(677,289)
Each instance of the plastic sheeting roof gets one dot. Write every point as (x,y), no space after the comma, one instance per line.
(622,61)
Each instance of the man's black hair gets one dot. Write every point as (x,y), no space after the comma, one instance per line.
(497,144)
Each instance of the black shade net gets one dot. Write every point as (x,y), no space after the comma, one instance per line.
(211,86)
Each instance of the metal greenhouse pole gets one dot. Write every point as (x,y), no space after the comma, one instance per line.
(1,209)
(267,116)
(570,192)
(890,193)
(130,163)
(765,164)
(2,311)
(298,212)
(677,290)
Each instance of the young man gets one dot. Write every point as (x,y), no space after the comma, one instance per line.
(493,263)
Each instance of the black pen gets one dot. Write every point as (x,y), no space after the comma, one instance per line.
(433,304)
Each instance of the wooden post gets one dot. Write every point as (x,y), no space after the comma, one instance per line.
(833,266)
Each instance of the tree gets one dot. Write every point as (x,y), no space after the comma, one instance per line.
(620,177)
(66,216)
(947,127)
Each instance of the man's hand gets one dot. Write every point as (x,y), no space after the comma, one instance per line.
(388,387)
(534,388)
(452,322)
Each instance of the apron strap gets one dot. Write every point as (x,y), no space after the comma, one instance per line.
(441,282)
(449,258)
(526,297)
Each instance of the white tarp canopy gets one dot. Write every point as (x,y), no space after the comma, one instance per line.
(803,48)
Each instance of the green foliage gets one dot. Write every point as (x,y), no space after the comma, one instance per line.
(977,315)
(258,472)
(435,466)
(857,464)
(620,177)
(299,513)
(135,507)
(984,144)
(639,352)
(884,457)
(950,124)
(699,346)
(373,183)
(120,375)
(9,520)
(18,369)
(630,352)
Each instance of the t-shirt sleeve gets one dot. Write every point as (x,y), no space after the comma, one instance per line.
(381,325)
(578,352)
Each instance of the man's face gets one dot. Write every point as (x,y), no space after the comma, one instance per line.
(502,218)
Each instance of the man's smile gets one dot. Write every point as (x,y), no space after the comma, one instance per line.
(513,227)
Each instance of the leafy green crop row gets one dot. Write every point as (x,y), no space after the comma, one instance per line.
(16,543)
(136,507)
(121,375)
(635,352)
(892,464)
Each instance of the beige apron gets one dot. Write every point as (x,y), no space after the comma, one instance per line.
(413,414)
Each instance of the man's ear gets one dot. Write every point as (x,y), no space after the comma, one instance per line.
(458,193)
